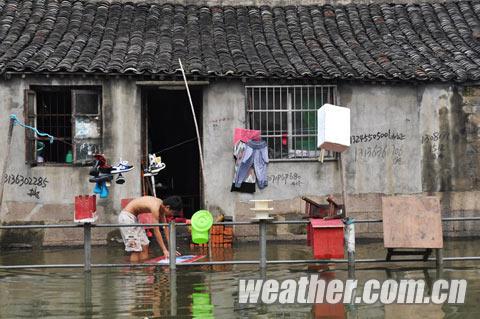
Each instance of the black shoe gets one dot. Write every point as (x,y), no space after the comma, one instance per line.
(105,170)
(120,179)
(101,178)
(93,172)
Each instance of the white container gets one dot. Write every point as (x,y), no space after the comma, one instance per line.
(261,208)
(333,128)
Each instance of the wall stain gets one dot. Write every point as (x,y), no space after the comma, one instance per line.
(22,238)
(450,162)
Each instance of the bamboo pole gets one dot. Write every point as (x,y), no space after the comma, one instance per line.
(195,121)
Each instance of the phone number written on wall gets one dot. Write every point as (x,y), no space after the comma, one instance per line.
(21,180)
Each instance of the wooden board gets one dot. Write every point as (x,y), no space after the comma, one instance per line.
(412,222)
(180,259)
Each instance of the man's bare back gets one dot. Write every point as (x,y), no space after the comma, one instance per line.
(145,204)
(159,210)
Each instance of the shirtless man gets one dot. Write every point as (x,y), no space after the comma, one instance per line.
(135,238)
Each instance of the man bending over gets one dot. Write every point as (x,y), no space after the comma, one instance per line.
(135,238)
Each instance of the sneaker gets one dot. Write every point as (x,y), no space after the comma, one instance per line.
(121,167)
(101,178)
(155,168)
(120,179)
(95,169)
(156,164)
(106,170)
(147,173)
(94,172)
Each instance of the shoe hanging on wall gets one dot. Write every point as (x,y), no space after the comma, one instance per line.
(120,179)
(155,164)
(121,167)
(101,178)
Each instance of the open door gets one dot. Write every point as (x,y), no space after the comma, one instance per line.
(170,133)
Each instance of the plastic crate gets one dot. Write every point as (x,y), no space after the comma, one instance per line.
(85,209)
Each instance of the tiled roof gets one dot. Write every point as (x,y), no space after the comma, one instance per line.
(437,41)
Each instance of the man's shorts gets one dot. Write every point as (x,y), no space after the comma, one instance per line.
(133,237)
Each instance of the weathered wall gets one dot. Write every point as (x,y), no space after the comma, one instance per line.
(399,146)
(121,139)
(406,140)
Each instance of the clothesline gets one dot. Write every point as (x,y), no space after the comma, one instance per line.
(37,132)
(175,146)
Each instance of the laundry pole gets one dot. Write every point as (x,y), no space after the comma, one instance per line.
(194,121)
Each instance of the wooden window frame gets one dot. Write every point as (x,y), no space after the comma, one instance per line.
(30,116)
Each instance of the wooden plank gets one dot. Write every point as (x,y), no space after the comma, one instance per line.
(412,222)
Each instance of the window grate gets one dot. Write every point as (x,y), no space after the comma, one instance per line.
(287,118)
(72,115)
(54,115)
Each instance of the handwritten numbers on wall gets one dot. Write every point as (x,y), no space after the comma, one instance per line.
(19,180)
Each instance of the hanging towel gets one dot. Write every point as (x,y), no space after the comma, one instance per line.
(245,135)
(248,184)
(256,155)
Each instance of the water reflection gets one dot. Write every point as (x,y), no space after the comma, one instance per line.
(211,291)
(325,310)
(201,302)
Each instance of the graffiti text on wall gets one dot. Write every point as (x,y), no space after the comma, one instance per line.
(369,137)
(34,193)
(293,179)
(379,151)
(20,180)
(437,142)
(435,137)
(216,123)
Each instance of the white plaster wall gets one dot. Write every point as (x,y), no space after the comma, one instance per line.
(396,169)
(383,165)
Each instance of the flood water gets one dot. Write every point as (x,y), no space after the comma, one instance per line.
(211,291)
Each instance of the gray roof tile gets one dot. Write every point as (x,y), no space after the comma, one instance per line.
(438,41)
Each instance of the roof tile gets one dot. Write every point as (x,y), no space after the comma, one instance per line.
(438,41)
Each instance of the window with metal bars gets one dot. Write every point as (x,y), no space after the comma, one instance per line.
(287,118)
(72,115)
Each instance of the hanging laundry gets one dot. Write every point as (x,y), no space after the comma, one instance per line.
(245,135)
(247,185)
(256,155)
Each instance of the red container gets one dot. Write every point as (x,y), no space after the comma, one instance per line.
(315,211)
(124,202)
(327,238)
(85,209)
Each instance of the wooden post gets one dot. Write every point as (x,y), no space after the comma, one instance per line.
(5,162)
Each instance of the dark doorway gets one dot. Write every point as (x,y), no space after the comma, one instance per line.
(170,134)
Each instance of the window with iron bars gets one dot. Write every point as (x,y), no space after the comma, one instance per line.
(287,118)
(72,115)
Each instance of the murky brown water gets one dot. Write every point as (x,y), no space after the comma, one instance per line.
(209,292)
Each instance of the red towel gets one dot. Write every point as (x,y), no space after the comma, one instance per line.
(242,134)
